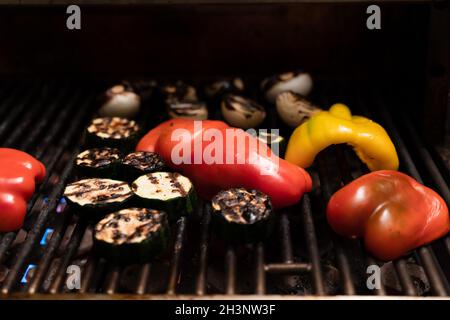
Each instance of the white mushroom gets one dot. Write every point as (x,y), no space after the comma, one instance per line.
(298,82)
(188,110)
(294,109)
(242,112)
(120,102)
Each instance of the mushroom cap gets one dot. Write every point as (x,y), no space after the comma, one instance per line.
(242,112)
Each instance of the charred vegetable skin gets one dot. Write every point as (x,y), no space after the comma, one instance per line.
(140,163)
(93,198)
(114,132)
(134,235)
(242,216)
(167,191)
(99,163)
(19,174)
(391,211)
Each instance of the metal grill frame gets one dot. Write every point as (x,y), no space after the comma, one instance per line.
(52,148)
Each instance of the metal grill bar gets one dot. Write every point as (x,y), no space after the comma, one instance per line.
(175,263)
(230,266)
(141,287)
(260,275)
(313,249)
(201,274)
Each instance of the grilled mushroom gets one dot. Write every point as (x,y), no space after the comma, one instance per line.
(220,87)
(294,109)
(298,82)
(120,101)
(178,92)
(242,112)
(188,110)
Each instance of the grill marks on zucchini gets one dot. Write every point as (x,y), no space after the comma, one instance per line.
(139,163)
(113,132)
(129,225)
(242,215)
(113,128)
(97,157)
(97,195)
(168,191)
(132,235)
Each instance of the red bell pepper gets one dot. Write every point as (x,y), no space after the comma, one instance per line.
(253,167)
(18,174)
(391,211)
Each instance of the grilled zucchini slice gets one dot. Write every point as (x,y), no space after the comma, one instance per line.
(99,162)
(114,132)
(140,163)
(167,191)
(133,235)
(93,198)
(242,216)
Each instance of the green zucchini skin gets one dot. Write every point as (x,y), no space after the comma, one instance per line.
(109,170)
(124,142)
(175,207)
(140,163)
(97,209)
(242,232)
(146,250)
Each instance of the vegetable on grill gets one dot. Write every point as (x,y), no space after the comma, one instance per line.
(391,211)
(294,109)
(99,163)
(92,198)
(273,140)
(244,162)
(133,235)
(167,191)
(19,174)
(325,128)
(242,112)
(188,110)
(139,163)
(113,132)
(120,101)
(298,82)
(241,215)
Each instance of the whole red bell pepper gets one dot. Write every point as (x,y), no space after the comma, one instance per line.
(391,211)
(19,172)
(253,167)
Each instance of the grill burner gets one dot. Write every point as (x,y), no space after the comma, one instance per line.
(304,257)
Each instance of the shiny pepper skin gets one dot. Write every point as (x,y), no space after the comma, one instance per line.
(19,173)
(325,128)
(391,211)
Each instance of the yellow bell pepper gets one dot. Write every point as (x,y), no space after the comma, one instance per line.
(369,140)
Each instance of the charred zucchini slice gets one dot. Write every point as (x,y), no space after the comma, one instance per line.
(167,191)
(275,142)
(93,198)
(242,216)
(133,235)
(139,163)
(99,163)
(114,132)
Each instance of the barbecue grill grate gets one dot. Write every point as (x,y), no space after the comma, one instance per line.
(303,258)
